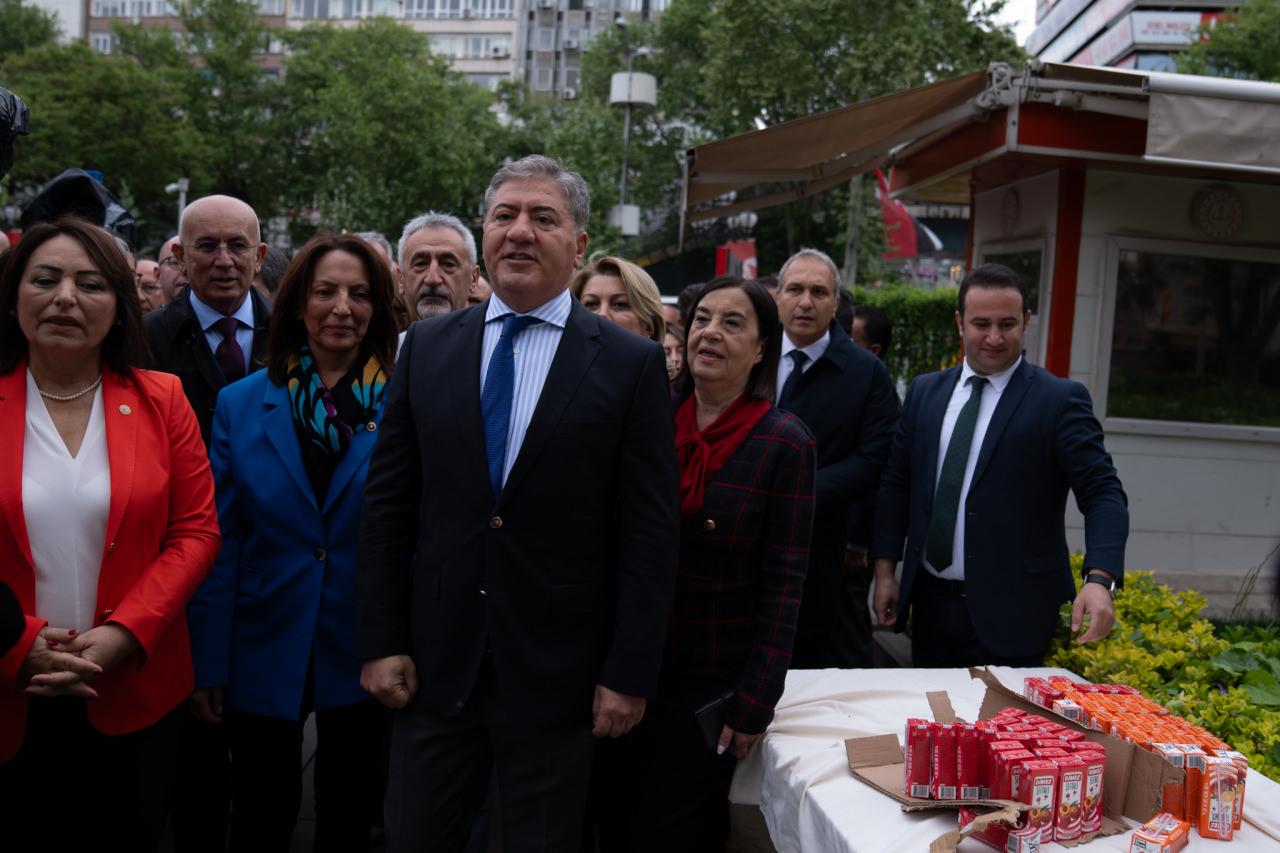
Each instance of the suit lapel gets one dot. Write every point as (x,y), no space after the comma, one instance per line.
(578,349)
(277,423)
(13,426)
(187,333)
(936,414)
(121,411)
(362,441)
(261,322)
(1010,399)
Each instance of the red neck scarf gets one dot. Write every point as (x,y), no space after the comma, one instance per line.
(702,453)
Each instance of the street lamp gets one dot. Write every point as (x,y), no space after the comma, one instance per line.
(627,89)
(180,187)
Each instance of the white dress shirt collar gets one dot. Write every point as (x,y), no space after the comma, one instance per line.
(207,316)
(554,311)
(813,350)
(998,380)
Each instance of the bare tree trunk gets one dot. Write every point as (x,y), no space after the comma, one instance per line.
(849,275)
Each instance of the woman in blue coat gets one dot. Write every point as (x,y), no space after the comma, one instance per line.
(273,629)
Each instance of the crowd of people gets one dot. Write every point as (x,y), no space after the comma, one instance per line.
(573,538)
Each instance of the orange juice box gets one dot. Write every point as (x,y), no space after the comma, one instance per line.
(1038,788)
(1195,779)
(1172,794)
(1164,833)
(1218,798)
(1068,815)
(1242,764)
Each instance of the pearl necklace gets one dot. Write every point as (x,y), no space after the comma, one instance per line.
(63,398)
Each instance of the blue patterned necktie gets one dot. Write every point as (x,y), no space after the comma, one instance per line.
(946,498)
(495,398)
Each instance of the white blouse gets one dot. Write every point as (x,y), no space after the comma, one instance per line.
(65,500)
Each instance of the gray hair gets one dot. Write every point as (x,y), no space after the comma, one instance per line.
(571,184)
(816,255)
(432,219)
(376,238)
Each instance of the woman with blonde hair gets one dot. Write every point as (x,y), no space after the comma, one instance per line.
(622,292)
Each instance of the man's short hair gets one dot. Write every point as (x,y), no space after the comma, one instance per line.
(576,194)
(995,276)
(377,239)
(844,309)
(816,255)
(274,263)
(877,328)
(433,219)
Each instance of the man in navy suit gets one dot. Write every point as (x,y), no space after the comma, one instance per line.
(516,563)
(976,486)
(845,396)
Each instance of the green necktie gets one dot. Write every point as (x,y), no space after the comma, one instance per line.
(946,499)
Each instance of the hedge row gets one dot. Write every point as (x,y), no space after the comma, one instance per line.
(1227,681)
(924,327)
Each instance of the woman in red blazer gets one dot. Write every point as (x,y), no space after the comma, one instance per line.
(107,526)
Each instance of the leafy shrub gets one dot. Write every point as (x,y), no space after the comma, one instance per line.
(1227,682)
(924,326)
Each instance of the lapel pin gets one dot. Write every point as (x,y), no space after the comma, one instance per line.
(125,410)
(371,426)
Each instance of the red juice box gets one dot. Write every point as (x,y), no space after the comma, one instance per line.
(916,757)
(942,780)
(1038,788)
(971,775)
(993,752)
(1004,785)
(1218,792)
(1095,766)
(1053,753)
(1000,836)
(1071,780)
(1071,736)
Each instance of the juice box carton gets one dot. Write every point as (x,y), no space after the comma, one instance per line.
(1218,792)
(942,779)
(917,754)
(1001,837)
(1068,814)
(971,765)
(1164,833)
(1095,765)
(1172,795)
(1004,785)
(1038,788)
(1242,764)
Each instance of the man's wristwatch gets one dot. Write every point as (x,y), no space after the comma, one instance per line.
(1102,579)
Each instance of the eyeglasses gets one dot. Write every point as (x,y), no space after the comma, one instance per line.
(170,261)
(149,288)
(210,248)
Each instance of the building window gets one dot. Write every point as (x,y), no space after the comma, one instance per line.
(489,81)
(271,7)
(546,38)
(311,9)
(543,81)
(103,42)
(111,8)
(1195,338)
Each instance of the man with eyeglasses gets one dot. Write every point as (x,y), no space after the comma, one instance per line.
(169,272)
(212,334)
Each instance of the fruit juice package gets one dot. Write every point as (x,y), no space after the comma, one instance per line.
(1071,735)
(1164,833)
(1218,798)
(1051,753)
(1000,836)
(1194,767)
(1067,708)
(992,753)
(942,779)
(1173,794)
(917,755)
(1095,765)
(971,765)
(1004,785)
(1038,788)
(1242,765)
(1070,796)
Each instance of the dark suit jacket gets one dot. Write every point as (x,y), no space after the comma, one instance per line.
(569,578)
(743,559)
(1043,440)
(848,401)
(178,346)
(12,622)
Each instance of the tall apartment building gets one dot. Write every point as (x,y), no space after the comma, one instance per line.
(1139,34)
(71,17)
(553,34)
(476,36)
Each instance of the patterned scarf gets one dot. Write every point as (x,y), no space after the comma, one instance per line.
(327,417)
(701,453)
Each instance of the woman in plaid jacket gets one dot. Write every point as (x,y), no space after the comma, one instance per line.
(746,493)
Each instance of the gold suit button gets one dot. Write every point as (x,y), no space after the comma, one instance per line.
(371,426)
(709,524)
(495,522)
(484,594)
(320,554)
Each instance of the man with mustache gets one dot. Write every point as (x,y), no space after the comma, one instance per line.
(845,396)
(437,264)
(212,334)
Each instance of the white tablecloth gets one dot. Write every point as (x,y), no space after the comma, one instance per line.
(799,773)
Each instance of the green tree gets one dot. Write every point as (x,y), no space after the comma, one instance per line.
(1245,43)
(96,112)
(372,128)
(24,28)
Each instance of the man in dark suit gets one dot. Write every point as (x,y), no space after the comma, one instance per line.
(517,550)
(215,331)
(846,398)
(976,486)
(212,334)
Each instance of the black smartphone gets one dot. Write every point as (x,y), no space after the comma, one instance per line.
(710,719)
